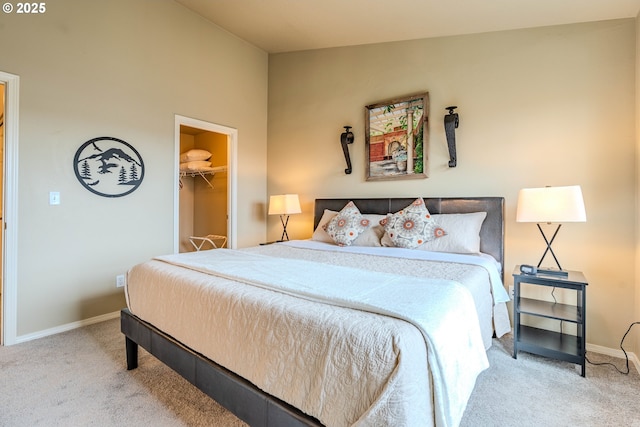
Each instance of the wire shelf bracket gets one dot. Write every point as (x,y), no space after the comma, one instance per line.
(203,174)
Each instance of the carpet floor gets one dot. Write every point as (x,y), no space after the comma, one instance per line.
(79,378)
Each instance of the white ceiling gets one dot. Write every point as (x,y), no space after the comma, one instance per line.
(290,25)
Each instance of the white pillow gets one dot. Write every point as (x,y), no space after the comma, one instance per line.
(320,234)
(371,236)
(195,165)
(463,233)
(194,155)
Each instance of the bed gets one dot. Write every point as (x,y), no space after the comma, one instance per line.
(263,332)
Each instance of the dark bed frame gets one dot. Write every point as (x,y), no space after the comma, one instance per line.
(242,398)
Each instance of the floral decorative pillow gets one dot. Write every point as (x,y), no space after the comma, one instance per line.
(412,226)
(371,236)
(345,227)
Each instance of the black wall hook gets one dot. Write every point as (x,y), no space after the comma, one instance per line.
(347,138)
(451,122)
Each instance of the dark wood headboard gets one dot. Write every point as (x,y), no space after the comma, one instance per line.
(491,233)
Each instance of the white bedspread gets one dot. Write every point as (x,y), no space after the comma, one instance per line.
(486,261)
(492,309)
(442,310)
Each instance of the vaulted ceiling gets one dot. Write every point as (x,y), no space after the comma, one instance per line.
(290,25)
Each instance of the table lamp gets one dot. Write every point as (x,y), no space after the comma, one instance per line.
(555,205)
(284,205)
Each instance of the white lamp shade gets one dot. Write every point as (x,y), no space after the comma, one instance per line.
(284,204)
(551,204)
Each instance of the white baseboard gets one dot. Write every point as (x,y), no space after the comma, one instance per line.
(615,353)
(67,327)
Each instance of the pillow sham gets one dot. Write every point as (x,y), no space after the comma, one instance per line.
(194,155)
(462,236)
(347,225)
(371,236)
(412,226)
(320,234)
(463,233)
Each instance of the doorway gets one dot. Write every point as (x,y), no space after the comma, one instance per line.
(205,194)
(9,207)
(1,198)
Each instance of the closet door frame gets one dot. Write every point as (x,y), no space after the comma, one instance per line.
(9,240)
(232,161)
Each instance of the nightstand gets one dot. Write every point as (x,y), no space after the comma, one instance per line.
(557,345)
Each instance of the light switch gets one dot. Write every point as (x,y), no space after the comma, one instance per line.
(54,197)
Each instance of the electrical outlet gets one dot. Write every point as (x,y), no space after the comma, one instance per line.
(120,281)
(511,292)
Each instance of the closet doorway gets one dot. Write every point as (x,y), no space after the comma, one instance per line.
(9,88)
(206,190)
(1,204)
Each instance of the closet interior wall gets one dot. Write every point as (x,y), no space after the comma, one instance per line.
(203,209)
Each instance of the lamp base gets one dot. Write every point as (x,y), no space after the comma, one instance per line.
(285,235)
(553,271)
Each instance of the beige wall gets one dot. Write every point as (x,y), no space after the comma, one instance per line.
(545,106)
(635,336)
(548,106)
(119,68)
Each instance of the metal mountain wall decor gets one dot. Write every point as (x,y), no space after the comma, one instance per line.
(108,167)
